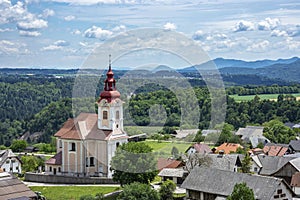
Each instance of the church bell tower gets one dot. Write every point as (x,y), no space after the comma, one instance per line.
(110,108)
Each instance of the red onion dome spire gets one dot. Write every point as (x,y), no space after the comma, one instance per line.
(109,92)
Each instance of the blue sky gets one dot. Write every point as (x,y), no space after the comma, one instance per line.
(63,33)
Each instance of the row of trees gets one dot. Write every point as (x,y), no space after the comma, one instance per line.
(43,105)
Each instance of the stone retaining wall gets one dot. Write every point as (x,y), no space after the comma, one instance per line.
(60,179)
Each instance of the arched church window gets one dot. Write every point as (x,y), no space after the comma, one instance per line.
(105,115)
(118,115)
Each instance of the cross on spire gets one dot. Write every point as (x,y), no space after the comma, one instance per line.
(109,62)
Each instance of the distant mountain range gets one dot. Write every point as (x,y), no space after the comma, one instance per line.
(283,69)
(286,70)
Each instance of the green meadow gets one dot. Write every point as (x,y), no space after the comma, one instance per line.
(71,192)
(239,98)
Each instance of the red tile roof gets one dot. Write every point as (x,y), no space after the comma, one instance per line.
(55,160)
(84,126)
(201,148)
(168,163)
(228,147)
(296,180)
(275,149)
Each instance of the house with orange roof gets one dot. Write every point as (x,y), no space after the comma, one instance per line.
(228,148)
(87,143)
(272,149)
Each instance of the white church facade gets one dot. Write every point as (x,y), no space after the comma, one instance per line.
(87,143)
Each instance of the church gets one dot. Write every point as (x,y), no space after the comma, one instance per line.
(87,143)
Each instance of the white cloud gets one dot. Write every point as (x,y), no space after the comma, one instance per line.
(12,13)
(32,25)
(61,43)
(5,30)
(76,32)
(97,32)
(48,13)
(293,31)
(292,44)
(29,33)
(57,45)
(8,47)
(259,46)
(25,21)
(279,33)
(199,35)
(244,26)
(170,26)
(120,28)
(52,48)
(268,24)
(69,18)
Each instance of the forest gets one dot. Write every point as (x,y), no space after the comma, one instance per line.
(31,104)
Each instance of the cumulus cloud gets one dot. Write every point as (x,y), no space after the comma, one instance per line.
(279,33)
(120,28)
(57,45)
(259,46)
(244,26)
(8,47)
(170,26)
(29,33)
(97,32)
(293,31)
(199,35)
(61,43)
(76,32)
(25,21)
(5,30)
(69,18)
(48,13)
(51,48)
(268,24)
(32,25)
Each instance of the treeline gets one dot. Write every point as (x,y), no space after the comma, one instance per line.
(273,89)
(30,105)
(239,114)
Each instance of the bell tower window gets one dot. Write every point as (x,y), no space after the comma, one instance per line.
(105,116)
(118,115)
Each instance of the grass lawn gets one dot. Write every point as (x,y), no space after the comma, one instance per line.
(166,147)
(261,96)
(71,192)
(147,129)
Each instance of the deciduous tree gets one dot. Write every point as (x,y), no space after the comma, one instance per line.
(134,162)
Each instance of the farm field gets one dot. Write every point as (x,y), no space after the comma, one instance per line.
(261,96)
(71,192)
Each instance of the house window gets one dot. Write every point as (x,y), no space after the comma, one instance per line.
(92,163)
(59,169)
(255,169)
(279,191)
(72,146)
(105,115)
(17,168)
(7,162)
(50,169)
(3,169)
(117,144)
(117,115)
